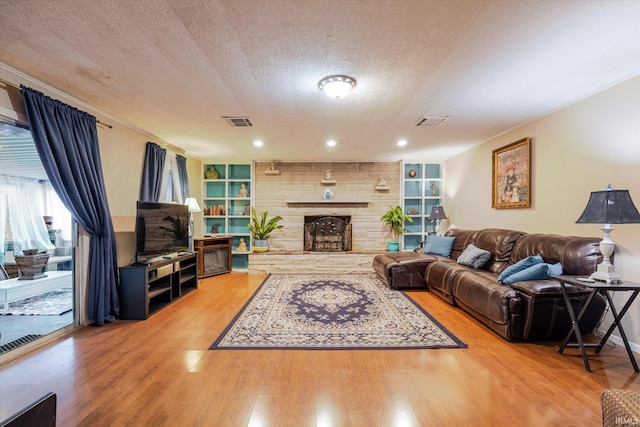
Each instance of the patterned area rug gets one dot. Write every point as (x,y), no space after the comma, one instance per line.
(49,304)
(332,312)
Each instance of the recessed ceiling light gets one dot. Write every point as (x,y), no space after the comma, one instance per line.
(402,143)
(331,143)
(258,143)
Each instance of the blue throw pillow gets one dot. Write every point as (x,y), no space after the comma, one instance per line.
(439,245)
(540,271)
(473,256)
(519,266)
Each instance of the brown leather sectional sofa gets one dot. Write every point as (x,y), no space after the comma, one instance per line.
(531,310)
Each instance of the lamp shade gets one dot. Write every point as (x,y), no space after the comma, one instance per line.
(610,207)
(193,204)
(437,212)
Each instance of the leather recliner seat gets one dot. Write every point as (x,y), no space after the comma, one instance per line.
(528,310)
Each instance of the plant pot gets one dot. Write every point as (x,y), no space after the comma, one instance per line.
(32,267)
(393,246)
(260,245)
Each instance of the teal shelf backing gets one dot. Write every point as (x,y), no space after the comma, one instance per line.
(214,189)
(240,207)
(413,189)
(239,226)
(240,172)
(429,204)
(415,226)
(412,241)
(432,170)
(240,261)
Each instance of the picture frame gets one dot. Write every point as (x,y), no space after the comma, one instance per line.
(511,175)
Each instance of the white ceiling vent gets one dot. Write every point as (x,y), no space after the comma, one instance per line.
(431,121)
(238,122)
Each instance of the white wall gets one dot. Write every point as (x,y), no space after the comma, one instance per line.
(122,150)
(576,150)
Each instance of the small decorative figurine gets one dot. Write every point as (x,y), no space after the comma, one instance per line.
(327,174)
(214,228)
(381,182)
(434,189)
(243,191)
(242,246)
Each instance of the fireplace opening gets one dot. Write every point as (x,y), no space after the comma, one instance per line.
(327,233)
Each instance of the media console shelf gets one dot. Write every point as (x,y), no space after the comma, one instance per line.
(145,289)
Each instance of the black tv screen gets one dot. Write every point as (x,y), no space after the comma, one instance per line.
(161,228)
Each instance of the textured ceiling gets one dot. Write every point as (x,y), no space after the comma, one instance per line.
(174,68)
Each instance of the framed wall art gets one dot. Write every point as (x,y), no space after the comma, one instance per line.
(512,175)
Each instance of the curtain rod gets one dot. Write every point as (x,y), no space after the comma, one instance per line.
(20,89)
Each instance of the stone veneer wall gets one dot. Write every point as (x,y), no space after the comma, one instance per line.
(355,181)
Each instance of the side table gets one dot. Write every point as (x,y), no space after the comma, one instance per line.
(606,289)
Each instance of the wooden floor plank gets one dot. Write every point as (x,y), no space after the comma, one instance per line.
(160,372)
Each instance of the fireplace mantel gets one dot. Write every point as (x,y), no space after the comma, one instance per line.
(333,202)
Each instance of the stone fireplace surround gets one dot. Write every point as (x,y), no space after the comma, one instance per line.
(355,196)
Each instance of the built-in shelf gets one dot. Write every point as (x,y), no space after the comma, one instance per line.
(382,188)
(333,202)
(328,182)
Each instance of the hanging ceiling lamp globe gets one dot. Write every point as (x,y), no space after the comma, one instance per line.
(337,86)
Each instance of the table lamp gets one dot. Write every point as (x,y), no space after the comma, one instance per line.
(437,214)
(609,207)
(192,203)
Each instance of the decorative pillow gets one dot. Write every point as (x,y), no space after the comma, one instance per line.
(439,245)
(519,266)
(540,271)
(473,256)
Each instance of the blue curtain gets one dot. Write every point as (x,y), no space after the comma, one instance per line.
(67,141)
(154,157)
(182,175)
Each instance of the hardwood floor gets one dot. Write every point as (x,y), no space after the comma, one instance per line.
(159,372)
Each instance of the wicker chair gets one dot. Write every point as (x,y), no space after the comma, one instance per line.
(620,407)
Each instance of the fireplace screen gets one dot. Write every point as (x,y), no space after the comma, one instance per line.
(216,261)
(327,233)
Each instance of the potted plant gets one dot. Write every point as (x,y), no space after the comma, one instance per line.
(395,219)
(261,229)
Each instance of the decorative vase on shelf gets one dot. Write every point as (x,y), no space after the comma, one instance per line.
(211,173)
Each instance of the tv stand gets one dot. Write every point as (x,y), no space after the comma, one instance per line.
(146,288)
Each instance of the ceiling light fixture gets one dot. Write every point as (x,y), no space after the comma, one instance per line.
(331,143)
(337,86)
(257,143)
(402,143)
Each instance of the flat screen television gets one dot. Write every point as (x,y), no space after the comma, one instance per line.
(161,229)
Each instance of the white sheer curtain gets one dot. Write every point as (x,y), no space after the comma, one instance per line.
(24,200)
(61,216)
(171,190)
